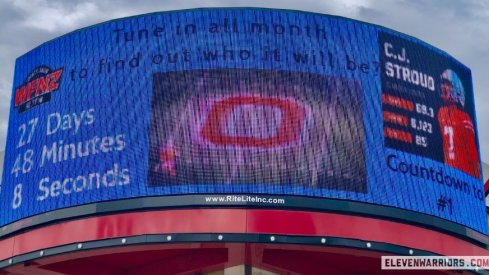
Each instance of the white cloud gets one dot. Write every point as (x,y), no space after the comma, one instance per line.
(46,15)
(350,7)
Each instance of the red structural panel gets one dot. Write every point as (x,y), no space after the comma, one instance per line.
(236,221)
(354,227)
(204,258)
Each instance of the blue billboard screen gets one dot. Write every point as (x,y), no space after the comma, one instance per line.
(246,102)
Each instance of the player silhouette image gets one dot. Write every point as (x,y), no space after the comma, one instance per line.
(456,126)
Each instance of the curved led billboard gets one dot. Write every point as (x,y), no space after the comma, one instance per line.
(236,107)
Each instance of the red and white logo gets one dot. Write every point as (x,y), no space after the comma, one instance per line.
(254,121)
(37,88)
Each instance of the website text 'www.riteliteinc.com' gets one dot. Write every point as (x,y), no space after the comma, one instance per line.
(240,199)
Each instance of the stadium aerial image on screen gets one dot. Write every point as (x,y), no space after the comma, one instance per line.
(257,127)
